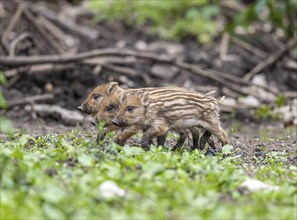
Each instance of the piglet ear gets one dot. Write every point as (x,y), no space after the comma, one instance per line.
(145,98)
(123,97)
(111,87)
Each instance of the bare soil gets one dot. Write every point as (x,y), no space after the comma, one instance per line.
(71,86)
(253,142)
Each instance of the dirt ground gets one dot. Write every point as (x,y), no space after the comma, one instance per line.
(70,86)
(251,141)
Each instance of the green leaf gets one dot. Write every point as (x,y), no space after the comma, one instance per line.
(6,127)
(129,151)
(264,112)
(227,149)
(280,100)
(52,212)
(3,102)
(17,153)
(3,80)
(24,140)
(85,160)
(53,193)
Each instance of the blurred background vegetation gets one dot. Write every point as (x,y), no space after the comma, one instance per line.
(203,19)
(5,124)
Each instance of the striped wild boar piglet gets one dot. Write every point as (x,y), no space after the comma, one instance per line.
(109,108)
(157,113)
(103,102)
(95,98)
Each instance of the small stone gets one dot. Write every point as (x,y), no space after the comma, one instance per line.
(253,185)
(260,154)
(49,87)
(257,149)
(164,71)
(50,171)
(138,167)
(109,189)
(167,47)
(250,101)
(121,44)
(229,102)
(141,45)
(259,80)
(210,153)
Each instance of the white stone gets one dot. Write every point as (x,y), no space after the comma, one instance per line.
(109,189)
(164,71)
(141,45)
(170,48)
(259,80)
(229,102)
(250,101)
(121,44)
(256,185)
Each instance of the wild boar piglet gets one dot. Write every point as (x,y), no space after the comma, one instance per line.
(160,112)
(95,98)
(108,109)
(102,102)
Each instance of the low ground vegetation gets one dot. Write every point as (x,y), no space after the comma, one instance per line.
(59,176)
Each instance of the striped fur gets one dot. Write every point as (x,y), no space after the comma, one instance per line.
(160,111)
(109,96)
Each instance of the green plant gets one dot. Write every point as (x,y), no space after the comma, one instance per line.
(58,177)
(282,14)
(5,124)
(266,112)
(177,19)
(280,100)
(171,19)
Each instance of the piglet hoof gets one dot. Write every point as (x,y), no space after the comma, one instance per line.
(120,142)
(210,152)
(175,147)
(100,137)
(146,148)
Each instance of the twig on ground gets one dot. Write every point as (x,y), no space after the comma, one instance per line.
(29,100)
(81,30)
(65,58)
(15,42)
(248,47)
(290,94)
(290,64)
(38,68)
(125,70)
(224,49)
(111,59)
(54,30)
(211,75)
(12,81)
(236,6)
(67,116)
(14,20)
(42,31)
(270,60)
(243,82)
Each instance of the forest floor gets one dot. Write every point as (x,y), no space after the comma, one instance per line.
(54,169)
(248,140)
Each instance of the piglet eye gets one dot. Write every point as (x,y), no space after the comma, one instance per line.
(96,96)
(109,108)
(130,108)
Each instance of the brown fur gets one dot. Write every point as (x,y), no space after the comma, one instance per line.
(101,97)
(158,112)
(94,99)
